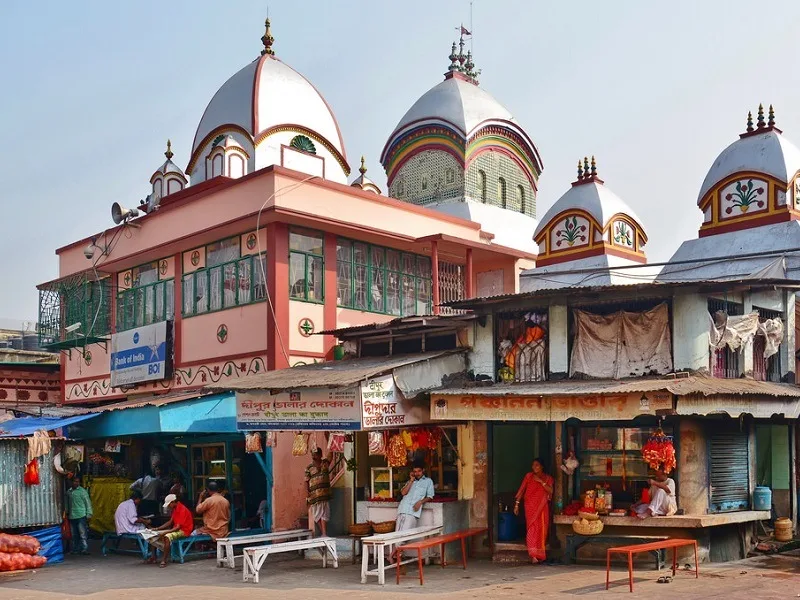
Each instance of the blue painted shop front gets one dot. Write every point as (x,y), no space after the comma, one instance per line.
(198,439)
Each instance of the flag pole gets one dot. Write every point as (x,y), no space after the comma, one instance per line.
(471,29)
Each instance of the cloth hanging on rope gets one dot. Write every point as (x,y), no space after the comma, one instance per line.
(38,444)
(734,331)
(622,344)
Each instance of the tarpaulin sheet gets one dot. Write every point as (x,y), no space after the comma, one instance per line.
(106,494)
(52,544)
(29,425)
(622,344)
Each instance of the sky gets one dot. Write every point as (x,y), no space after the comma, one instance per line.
(91,90)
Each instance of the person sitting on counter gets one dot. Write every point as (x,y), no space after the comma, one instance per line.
(662,498)
(416,492)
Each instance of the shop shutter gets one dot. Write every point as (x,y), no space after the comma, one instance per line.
(728,471)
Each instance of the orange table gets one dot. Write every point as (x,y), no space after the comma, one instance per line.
(438,540)
(673,543)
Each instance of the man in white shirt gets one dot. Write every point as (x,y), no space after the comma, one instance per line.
(150,487)
(126,518)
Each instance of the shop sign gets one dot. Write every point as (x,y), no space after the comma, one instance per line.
(610,407)
(383,405)
(306,409)
(141,354)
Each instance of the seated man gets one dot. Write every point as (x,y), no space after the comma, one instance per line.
(216,511)
(662,498)
(126,517)
(180,525)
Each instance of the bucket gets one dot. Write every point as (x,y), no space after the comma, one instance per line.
(762,498)
(506,527)
(783,530)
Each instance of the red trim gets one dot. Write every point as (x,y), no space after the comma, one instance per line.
(178,299)
(470,291)
(33,388)
(487,247)
(331,292)
(759,131)
(423,148)
(209,361)
(780,217)
(75,380)
(598,250)
(509,154)
(305,354)
(256,86)
(278,290)
(396,135)
(516,129)
(210,136)
(435,275)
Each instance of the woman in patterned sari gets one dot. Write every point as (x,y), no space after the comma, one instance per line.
(535,493)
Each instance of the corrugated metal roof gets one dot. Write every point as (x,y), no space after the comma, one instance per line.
(401,322)
(151,401)
(680,386)
(338,373)
(27,505)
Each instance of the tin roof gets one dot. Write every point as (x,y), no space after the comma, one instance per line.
(406,324)
(680,386)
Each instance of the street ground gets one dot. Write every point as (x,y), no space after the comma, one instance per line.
(125,578)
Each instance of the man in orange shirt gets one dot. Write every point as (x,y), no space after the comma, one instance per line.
(180,525)
(216,511)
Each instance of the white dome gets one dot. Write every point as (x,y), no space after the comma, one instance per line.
(594,198)
(767,152)
(265,94)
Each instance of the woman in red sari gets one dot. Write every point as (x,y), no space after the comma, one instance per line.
(535,492)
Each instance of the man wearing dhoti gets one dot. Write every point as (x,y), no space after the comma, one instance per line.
(662,498)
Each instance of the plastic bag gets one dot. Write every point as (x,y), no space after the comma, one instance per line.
(52,545)
(16,561)
(252,442)
(397,454)
(300,445)
(66,530)
(336,442)
(377,446)
(31,476)
(272,440)
(24,544)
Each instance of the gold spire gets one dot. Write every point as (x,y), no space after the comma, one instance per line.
(594,167)
(760,121)
(169,153)
(267,40)
(580,170)
(363,168)
(771,120)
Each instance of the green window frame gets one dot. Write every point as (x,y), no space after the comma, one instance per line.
(382,280)
(146,304)
(307,265)
(229,284)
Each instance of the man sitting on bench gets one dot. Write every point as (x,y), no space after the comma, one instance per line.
(216,511)
(179,526)
(126,518)
(416,493)
(662,498)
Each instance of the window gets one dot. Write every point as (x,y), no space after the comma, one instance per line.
(377,279)
(401,189)
(765,369)
(724,361)
(147,301)
(306,266)
(522,350)
(424,183)
(450,176)
(521,198)
(226,281)
(482,185)
(501,192)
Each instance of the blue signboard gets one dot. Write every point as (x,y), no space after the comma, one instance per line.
(141,354)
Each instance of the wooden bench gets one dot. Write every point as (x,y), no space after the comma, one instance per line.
(378,544)
(255,556)
(226,556)
(116,538)
(576,541)
(673,543)
(439,540)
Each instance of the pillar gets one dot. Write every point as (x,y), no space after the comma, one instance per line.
(690,332)
(558,340)
(558,474)
(787,349)
(692,467)
(470,287)
(331,292)
(178,319)
(435,275)
(278,300)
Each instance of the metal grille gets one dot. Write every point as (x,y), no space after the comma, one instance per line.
(728,471)
(765,369)
(74,311)
(452,286)
(521,349)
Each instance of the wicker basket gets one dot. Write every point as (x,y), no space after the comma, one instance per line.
(360,529)
(589,528)
(385,527)
(588,516)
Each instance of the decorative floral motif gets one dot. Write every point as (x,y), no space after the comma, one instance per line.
(42,396)
(222,333)
(87,357)
(127,279)
(306,327)
(572,232)
(195,258)
(301,142)
(623,235)
(745,195)
(251,241)
(23,395)
(3,394)
(162,267)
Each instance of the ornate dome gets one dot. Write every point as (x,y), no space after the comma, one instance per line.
(264,106)
(754,181)
(363,182)
(167,179)
(589,220)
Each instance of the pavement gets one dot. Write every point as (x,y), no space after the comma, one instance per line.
(125,577)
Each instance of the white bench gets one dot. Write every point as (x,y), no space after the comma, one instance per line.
(226,556)
(379,544)
(255,556)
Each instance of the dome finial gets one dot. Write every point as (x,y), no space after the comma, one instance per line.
(363,168)
(749,121)
(761,123)
(453,59)
(586,167)
(594,167)
(169,153)
(771,121)
(267,40)
(580,170)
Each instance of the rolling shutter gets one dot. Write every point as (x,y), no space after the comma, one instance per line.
(728,471)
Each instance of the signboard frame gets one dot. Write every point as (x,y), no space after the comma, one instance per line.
(158,370)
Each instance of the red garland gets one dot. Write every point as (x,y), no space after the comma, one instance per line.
(659,452)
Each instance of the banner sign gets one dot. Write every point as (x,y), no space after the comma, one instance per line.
(548,408)
(383,405)
(141,354)
(305,409)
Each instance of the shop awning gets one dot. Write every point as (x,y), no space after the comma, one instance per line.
(734,406)
(212,413)
(29,425)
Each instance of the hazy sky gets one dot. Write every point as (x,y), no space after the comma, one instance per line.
(92,89)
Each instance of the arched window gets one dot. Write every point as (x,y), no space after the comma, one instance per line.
(482,185)
(450,176)
(501,192)
(521,198)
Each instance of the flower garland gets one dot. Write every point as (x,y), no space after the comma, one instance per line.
(659,452)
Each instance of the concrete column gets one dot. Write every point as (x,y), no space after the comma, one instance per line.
(746,365)
(470,276)
(558,342)
(693,468)
(435,275)
(558,474)
(690,349)
(482,358)
(787,348)
(479,504)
